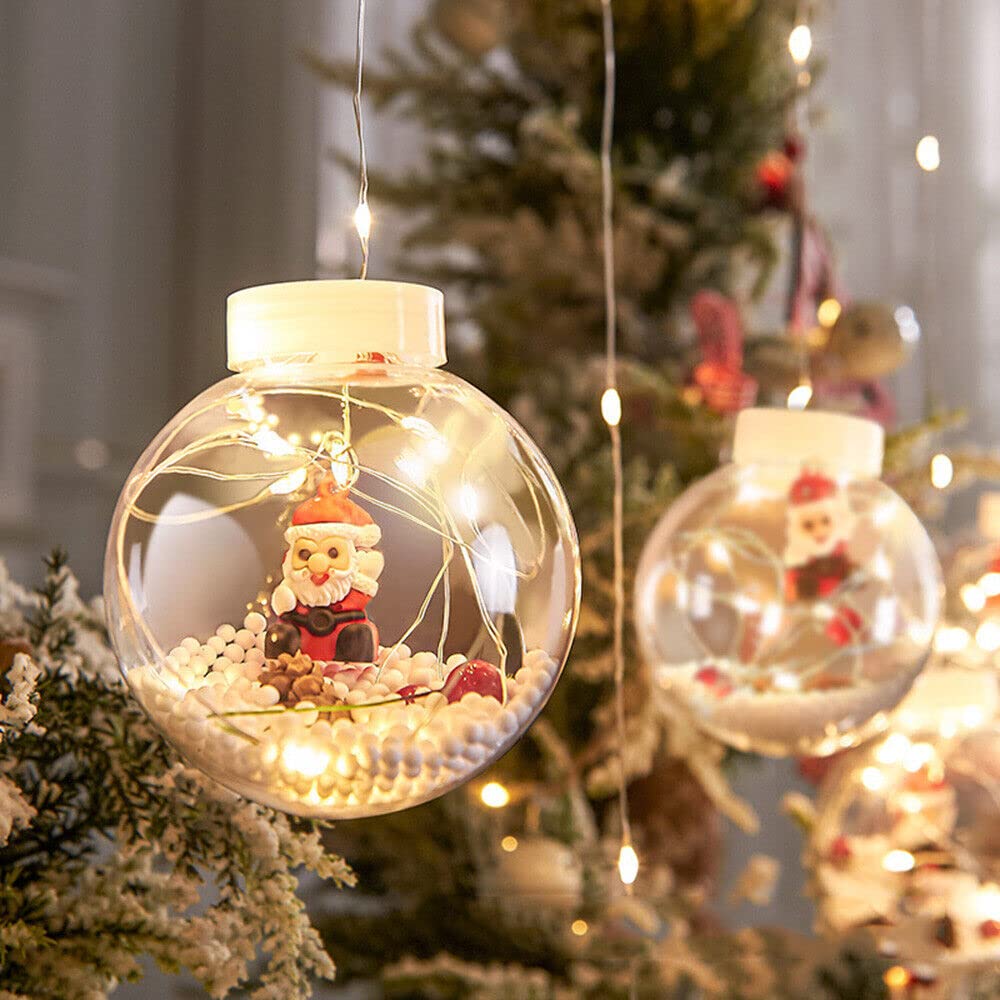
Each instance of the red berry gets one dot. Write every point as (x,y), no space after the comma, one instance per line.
(408,692)
(989,929)
(840,850)
(714,678)
(473,676)
(794,147)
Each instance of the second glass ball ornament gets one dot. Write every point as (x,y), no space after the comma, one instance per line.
(341,581)
(789,599)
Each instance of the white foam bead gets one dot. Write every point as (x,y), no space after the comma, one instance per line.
(255,655)
(452,745)
(198,665)
(322,732)
(425,659)
(455,660)
(265,696)
(191,644)
(255,622)
(180,654)
(423,676)
(340,690)
(226,633)
(195,730)
(233,652)
(474,753)
(345,734)
(356,697)
(306,718)
(217,643)
(413,761)
(490,735)
(185,676)
(243,638)
(393,679)
(474,732)
(392,752)
(215,678)
(380,690)
(508,722)
(435,701)
(470,702)
(524,675)
(522,710)
(207,652)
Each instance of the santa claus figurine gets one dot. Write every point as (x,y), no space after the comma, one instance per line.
(819,522)
(330,573)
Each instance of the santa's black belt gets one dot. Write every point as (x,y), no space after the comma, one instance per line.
(322,621)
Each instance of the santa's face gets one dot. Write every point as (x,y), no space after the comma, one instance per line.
(817,526)
(319,571)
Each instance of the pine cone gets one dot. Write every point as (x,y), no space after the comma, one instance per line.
(675,823)
(298,678)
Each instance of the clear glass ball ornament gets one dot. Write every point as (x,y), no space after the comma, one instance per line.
(906,844)
(973,603)
(341,581)
(789,599)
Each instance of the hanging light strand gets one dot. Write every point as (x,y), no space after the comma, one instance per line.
(362,214)
(611,410)
(800,47)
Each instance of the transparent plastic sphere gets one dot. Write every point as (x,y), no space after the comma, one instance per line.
(341,587)
(907,844)
(789,599)
(973,575)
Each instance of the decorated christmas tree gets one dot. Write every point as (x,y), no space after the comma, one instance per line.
(511,888)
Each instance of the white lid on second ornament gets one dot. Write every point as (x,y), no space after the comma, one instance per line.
(335,322)
(834,440)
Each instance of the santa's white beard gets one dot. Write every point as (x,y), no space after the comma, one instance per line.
(321,595)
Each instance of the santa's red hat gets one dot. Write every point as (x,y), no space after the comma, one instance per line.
(811,487)
(331,511)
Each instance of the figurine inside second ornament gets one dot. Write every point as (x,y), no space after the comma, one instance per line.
(790,598)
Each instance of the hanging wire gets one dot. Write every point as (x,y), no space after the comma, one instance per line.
(362,214)
(611,411)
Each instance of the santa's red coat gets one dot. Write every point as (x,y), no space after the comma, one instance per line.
(323,647)
(818,577)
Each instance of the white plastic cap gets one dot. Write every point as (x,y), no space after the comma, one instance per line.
(989,515)
(335,321)
(832,440)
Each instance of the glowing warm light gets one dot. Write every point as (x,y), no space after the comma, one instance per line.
(579,927)
(363,220)
(942,471)
(972,597)
(928,153)
(892,750)
(910,803)
(987,902)
(800,43)
(289,483)
(896,978)
(828,312)
(719,557)
(611,407)
(898,861)
(307,760)
(916,756)
(988,636)
(295,439)
(989,584)
(770,620)
(273,444)
(494,795)
(798,398)
(468,501)
(951,639)
(509,844)
(628,864)
(973,716)
(873,779)
(909,328)
(413,467)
